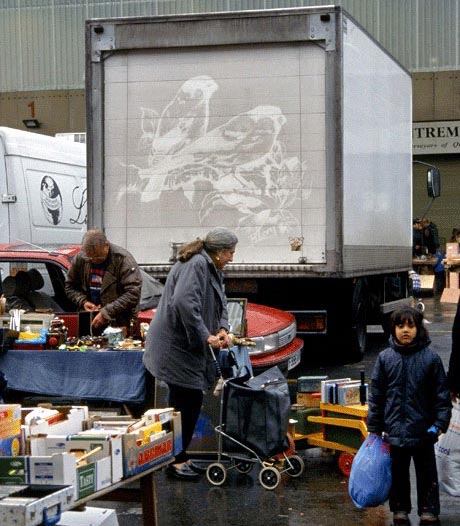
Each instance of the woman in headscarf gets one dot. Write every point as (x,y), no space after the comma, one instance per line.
(191,316)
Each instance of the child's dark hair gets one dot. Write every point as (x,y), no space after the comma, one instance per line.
(412,315)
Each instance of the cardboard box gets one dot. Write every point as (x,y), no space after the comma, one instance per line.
(159,415)
(450,296)
(10,430)
(34,505)
(139,458)
(452,250)
(13,470)
(453,280)
(111,451)
(59,469)
(89,517)
(309,399)
(70,420)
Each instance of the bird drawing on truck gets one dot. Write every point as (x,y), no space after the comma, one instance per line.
(240,164)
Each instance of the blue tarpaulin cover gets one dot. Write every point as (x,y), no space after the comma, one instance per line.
(117,376)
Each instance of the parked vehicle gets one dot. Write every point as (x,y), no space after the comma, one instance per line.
(272,330)
(290,126)
(42,188)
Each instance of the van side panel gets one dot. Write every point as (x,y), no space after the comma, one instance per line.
(46,181)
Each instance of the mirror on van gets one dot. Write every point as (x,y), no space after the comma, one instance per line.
(433,182)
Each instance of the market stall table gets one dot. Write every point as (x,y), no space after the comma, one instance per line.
(115,376)
(146,494)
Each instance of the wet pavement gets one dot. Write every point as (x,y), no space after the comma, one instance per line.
(319,497)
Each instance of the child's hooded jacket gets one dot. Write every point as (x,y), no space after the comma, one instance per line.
(408,394)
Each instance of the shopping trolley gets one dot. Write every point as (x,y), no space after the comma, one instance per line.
(252,429)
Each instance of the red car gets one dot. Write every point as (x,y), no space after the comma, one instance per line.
(273,330)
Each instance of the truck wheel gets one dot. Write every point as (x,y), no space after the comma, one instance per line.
(358,321)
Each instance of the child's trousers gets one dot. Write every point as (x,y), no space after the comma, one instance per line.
(426,475)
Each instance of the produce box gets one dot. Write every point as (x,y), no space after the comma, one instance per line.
(57,469)
(108,461)
(452,250)
(56,420)
(89,517)
(137,458)
(309,399)
(10,430)
(34,505)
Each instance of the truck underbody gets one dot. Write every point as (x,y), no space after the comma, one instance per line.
(335,310)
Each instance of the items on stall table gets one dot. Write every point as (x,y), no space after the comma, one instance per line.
(57,334)
(30,321)
(344,391)
(310,384)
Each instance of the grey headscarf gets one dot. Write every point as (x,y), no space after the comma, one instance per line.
(219,239)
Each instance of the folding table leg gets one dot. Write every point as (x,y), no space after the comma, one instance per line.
(149,500)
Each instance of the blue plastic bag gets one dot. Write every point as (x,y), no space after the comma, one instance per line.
(370,476)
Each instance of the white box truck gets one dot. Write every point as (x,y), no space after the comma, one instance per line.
(42,188)
(292,127)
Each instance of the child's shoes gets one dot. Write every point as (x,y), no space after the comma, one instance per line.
(400,517)
(429,518)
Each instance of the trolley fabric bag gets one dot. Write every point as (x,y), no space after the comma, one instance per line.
(256,413)
(447,451)
(370,476)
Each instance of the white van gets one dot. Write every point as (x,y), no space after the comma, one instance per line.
(42,188)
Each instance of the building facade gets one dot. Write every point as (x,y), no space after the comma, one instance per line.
(42,67)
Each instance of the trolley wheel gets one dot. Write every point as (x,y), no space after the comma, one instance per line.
(298,466)
(420,306)
(345,461)
(216,474)
(243,466)
(269,477)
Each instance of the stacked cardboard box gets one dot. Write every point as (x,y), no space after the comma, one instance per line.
(10,429)
(451,293)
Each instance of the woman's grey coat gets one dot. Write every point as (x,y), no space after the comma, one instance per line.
(192,307)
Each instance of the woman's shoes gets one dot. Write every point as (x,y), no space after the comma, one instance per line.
(182,472)
(197,468)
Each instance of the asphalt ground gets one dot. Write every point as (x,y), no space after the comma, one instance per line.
(319,497)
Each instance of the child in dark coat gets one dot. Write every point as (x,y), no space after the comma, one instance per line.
(409,404)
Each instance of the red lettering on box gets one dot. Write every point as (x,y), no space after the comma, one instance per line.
(154,452)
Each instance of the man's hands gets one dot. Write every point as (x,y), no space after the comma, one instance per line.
(90,306)
(98,320)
